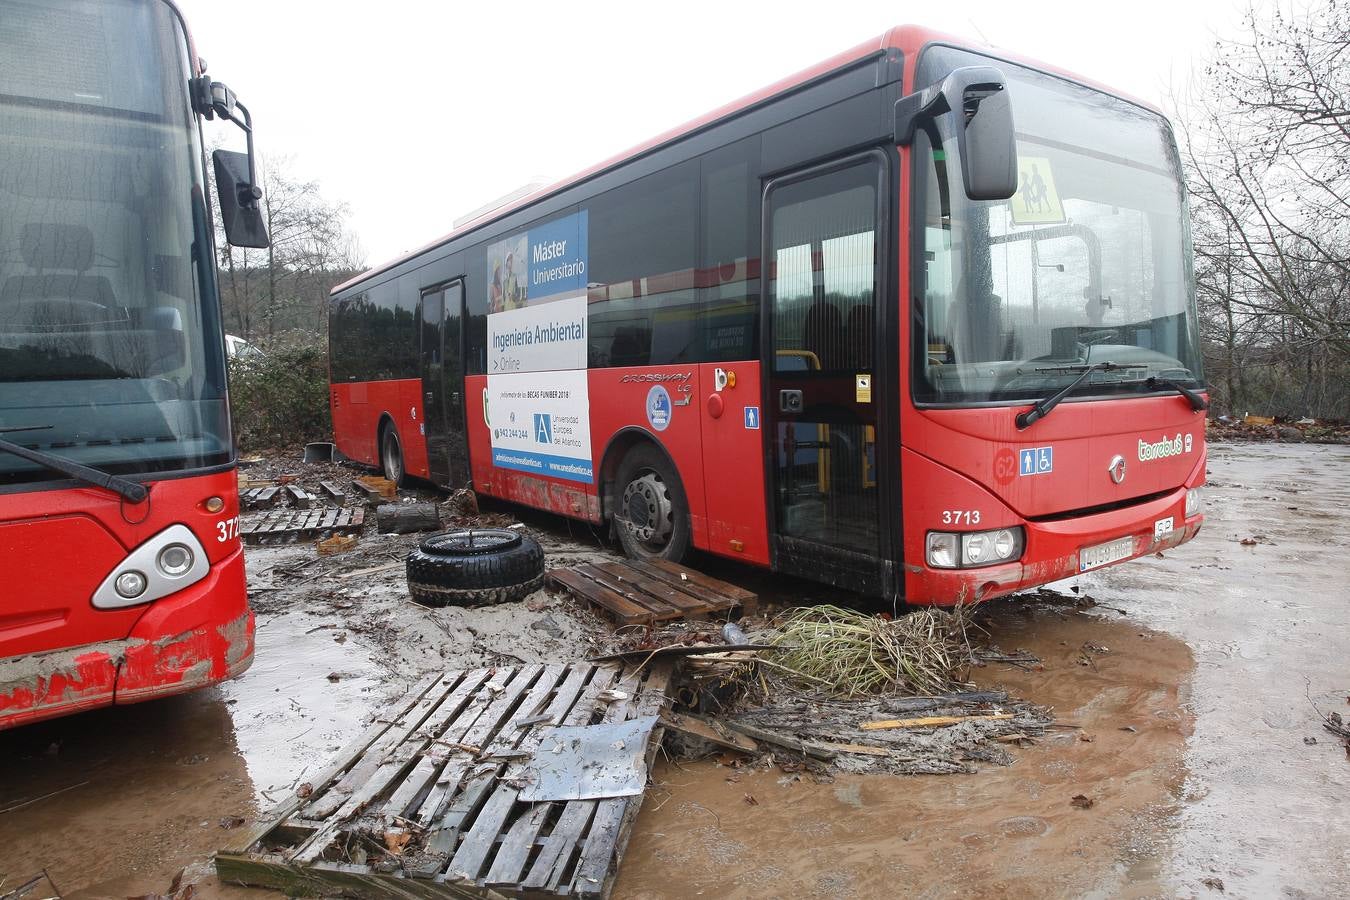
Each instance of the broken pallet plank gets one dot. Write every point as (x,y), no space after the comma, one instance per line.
(930,721)
(623,609)
(719,595)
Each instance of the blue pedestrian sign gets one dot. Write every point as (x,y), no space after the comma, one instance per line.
(1035,460)
(752,417)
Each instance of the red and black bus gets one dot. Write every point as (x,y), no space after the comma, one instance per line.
(918,322)
(123,575)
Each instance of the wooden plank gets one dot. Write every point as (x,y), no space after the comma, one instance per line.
(627,612)
(392,756)
(246,837)
(302,498)
(481,836)
(516,846)
(442,835)
(427,768)
(605,847)
(563,844)
(510,860)
(329,519)
(930,721)
(268,495)
(324,805)
(576,815)
(332,492)
(665,592)
(706,730)
(625,588)
(699,586)
(726,588)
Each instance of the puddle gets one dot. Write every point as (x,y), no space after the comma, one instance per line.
(1006,831)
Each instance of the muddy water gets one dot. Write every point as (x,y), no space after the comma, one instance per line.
(1269,623)
(1210,665)
(1002,832)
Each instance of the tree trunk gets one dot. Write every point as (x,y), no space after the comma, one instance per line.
(406,518)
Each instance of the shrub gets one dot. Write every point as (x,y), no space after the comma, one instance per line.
(280,399)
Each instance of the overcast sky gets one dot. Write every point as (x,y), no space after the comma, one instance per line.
(414,113)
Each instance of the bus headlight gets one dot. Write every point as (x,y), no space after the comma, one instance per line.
(175,560)
(1194,502)
(969,549)
(131,584)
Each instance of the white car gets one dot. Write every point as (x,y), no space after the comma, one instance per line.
(238,348)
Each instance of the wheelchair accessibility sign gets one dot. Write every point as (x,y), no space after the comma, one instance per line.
(1035,460)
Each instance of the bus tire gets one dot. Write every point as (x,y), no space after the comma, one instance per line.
(475,567)
(651,514)
(391,454)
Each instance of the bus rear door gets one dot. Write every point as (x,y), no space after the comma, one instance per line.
(821,245)
(443,384)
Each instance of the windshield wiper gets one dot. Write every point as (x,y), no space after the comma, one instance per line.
(120,486)
(1197,402)
(1043,407)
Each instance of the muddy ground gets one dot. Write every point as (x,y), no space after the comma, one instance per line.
(1196,739)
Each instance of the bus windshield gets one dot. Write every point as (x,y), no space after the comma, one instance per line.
(110,342)
(1087,263)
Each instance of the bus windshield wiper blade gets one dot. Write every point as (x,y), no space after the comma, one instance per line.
(122,487)
(1043,407)
(1193,397)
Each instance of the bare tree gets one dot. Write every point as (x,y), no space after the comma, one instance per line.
(1267,149)
(286,286)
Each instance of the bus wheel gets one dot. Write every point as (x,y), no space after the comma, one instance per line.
(652,518)
(474,567)
(391,454)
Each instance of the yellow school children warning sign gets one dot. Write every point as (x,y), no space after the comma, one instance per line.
(1036,201)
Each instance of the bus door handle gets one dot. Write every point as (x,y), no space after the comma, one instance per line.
(790,401)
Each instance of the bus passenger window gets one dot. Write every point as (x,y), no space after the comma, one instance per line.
(642,308)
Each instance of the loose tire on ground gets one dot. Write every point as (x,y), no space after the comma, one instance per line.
(475,567)
(651,514)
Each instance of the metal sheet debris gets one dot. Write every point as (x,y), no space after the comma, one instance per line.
(588,762)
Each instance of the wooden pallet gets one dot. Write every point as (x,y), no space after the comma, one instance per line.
(643,593)
(299,524)
(443,767)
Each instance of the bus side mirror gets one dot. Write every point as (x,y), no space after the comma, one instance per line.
(240,212)
(978,97)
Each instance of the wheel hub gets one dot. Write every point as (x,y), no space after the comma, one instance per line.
(648,509)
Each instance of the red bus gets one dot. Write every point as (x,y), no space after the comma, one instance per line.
(918,322)
(119,547)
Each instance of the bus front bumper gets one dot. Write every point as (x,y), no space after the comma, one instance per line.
(173,648)
(1054,550)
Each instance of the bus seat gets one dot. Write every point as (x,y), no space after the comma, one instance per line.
(823,332)
(860,332)
(51,300)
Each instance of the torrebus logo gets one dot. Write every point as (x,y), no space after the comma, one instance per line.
(1173,446)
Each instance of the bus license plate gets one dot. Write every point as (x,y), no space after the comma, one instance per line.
(1102,554)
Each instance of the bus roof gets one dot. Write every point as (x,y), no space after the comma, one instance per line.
(907,39)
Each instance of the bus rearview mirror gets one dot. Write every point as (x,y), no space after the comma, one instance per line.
(977,98)
(238,197)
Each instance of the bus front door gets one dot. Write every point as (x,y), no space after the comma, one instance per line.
(443,385)
(821,246)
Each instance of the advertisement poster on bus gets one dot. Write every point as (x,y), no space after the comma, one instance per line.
(540,425)
(537,298)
